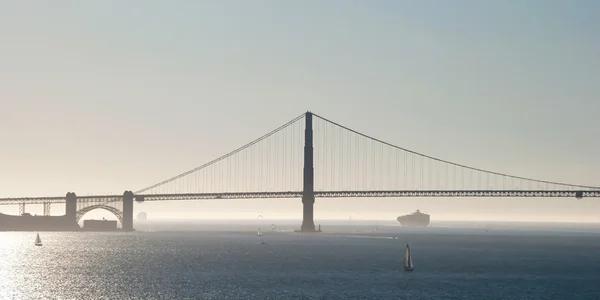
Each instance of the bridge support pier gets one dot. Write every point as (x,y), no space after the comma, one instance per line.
(127,211)
(308,192)
(71,207)
(21,209)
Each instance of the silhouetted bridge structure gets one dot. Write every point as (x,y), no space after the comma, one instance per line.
(317,158)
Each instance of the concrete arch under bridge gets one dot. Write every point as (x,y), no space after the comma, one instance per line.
(115,211)
(125,215)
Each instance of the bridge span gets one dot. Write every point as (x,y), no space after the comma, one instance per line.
(318,194)
(317,158)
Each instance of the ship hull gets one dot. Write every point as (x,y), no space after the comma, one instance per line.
(37,223)
(414,221)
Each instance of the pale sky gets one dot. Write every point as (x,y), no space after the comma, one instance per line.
(99,97)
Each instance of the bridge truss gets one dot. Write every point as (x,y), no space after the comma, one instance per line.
(347,163)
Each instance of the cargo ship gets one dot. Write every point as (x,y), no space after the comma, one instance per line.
(99,225)
(415,219)
(27,222)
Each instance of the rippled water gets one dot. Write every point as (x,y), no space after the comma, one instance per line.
(450,264)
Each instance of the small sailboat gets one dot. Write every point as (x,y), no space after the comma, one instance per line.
(259,234)
(272,227)
(408,264)
(38,240)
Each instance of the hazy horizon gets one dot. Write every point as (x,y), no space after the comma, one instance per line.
(200,211)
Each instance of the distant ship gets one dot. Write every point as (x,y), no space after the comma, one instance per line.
(27,222)
(415,219)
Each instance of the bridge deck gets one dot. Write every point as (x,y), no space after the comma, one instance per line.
(319,194)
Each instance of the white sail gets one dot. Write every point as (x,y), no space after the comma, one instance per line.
(38,240)
(407,258)
(259,233)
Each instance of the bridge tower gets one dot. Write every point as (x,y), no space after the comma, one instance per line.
(127,211)
(71,207)
(308,192)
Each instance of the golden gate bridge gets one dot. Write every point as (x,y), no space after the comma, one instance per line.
(313,157)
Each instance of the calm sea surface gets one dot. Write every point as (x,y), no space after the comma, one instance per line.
(347,262)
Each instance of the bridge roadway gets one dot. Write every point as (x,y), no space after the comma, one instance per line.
(319,194)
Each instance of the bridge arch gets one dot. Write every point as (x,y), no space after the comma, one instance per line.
(113,210)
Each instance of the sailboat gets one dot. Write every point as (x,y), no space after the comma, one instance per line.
(38,240)
(259,234)
(408,264)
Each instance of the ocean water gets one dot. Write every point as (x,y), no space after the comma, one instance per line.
(344,262)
